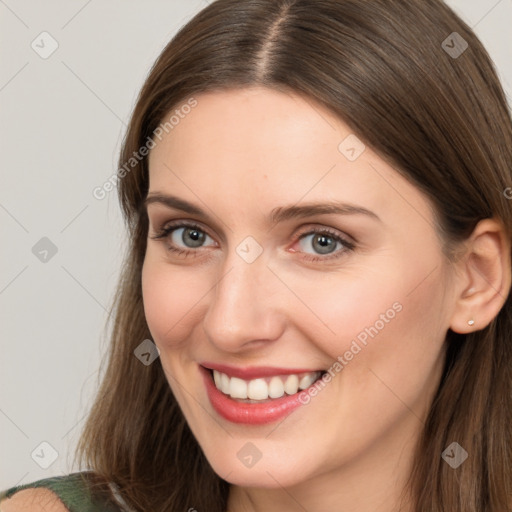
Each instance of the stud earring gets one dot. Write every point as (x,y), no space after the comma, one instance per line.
(471,322)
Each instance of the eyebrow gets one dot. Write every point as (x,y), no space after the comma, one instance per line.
(278,214)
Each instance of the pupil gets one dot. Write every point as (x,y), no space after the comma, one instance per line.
(323,244)
(195,237)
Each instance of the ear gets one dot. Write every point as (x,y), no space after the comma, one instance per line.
(484,276)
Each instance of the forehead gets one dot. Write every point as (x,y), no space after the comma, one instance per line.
(253,126)
(261,148)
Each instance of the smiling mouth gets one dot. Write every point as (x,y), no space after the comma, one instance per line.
(265,389)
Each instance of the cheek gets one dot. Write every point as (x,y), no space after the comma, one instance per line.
(388,332)
(170,295)
(386,312)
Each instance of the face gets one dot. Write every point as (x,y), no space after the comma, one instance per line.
(289,252)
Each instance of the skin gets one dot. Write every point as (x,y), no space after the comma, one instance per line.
(238,155)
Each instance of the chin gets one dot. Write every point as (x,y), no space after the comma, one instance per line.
(258,463)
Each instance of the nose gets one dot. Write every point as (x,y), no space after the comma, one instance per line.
(244,308)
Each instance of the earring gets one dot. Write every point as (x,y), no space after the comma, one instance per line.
(471,322)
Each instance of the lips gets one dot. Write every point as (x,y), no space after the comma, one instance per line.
(256,395)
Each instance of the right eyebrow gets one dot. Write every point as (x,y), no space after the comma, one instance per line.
(174,202)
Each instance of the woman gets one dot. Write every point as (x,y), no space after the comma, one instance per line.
(315,311)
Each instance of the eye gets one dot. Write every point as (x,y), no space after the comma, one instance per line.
(325,244)
(322,243)
(183,237)
(190,237)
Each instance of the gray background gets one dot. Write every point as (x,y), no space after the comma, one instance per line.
(62,122)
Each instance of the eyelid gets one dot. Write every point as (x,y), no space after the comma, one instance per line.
(319,228)
(160,217)
(167,227)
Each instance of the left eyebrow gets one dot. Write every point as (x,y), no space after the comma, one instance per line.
(283,213)
(278,214)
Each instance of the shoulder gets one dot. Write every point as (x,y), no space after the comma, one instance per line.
(33,500)
(74,492)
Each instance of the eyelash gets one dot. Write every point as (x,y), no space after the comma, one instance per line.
(164,233)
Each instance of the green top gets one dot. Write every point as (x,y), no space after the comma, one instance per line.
(74,490)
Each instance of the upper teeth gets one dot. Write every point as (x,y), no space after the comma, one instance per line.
(261,389)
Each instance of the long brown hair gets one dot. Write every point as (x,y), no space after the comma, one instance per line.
(438,114)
